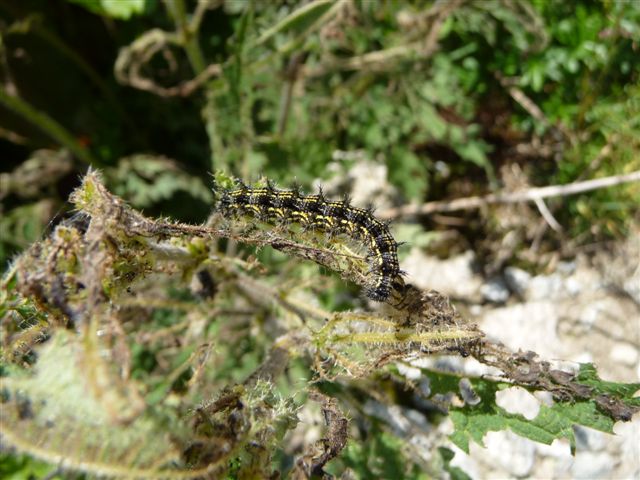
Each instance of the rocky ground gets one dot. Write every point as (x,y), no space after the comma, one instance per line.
(586,310)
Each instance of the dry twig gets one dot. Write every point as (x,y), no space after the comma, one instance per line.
(531,195)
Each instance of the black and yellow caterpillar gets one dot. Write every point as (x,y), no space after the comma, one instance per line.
(274,206)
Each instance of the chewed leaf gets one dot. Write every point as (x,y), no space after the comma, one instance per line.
(551,422)
(53,415)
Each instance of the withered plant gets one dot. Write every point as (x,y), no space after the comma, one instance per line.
(142,348)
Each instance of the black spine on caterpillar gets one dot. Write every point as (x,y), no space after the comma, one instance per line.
(274,206)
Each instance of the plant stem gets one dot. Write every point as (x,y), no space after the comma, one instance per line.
(49,126)
(189,41)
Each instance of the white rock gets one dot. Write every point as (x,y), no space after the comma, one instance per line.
(600,310)
(558,449)
(391,415)
(526,326)
(453,276)
(570,365)
(369,180)
(466,462)
(511,452)
(566,268)
(425,386)
(573,286)
(626,444)
(546,287)
(417,419)
(449,363)
(517,279)
(518,400)
(412,373)
(495,291)
(474,368)
(589,315)
(545,398)
(583,280)
(366,179)
(581,357)
(590,439)
(554,461)
(309,429)
(422,362)
(624,353)
(402,420)
(423,446)
(632,286)
(591,465)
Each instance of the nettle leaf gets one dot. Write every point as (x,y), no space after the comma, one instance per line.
(588,375)
(146,180)
(473,422)
(71,422)
(551,423)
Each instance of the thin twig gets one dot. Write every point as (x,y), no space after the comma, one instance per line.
(530,195)
(13,137)
(592,167)
(382,60)
(291,77)
(48,125)
(369,60)
(200,10)
(547,215)
(529,105)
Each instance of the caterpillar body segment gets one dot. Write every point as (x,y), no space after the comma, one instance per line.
(275,206)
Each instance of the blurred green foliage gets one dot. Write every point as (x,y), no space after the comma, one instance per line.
(22,467)
(120,9)
(446,95)
(423,88)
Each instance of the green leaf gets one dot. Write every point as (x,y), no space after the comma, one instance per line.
(381,456)
(69,421)
(120,9)
(588,375)
(551,423)
(408,172)
(475,152)
(415,235)
(557,421)
(432,122)
(455,473)
(297,21)
(123,9)
(146,180)
(473,422)
(22,467)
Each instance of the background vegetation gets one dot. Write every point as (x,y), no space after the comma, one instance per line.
(453,99)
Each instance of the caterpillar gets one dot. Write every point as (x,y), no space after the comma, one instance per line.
(274,206)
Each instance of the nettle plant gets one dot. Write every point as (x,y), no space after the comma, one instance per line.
(139,347)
